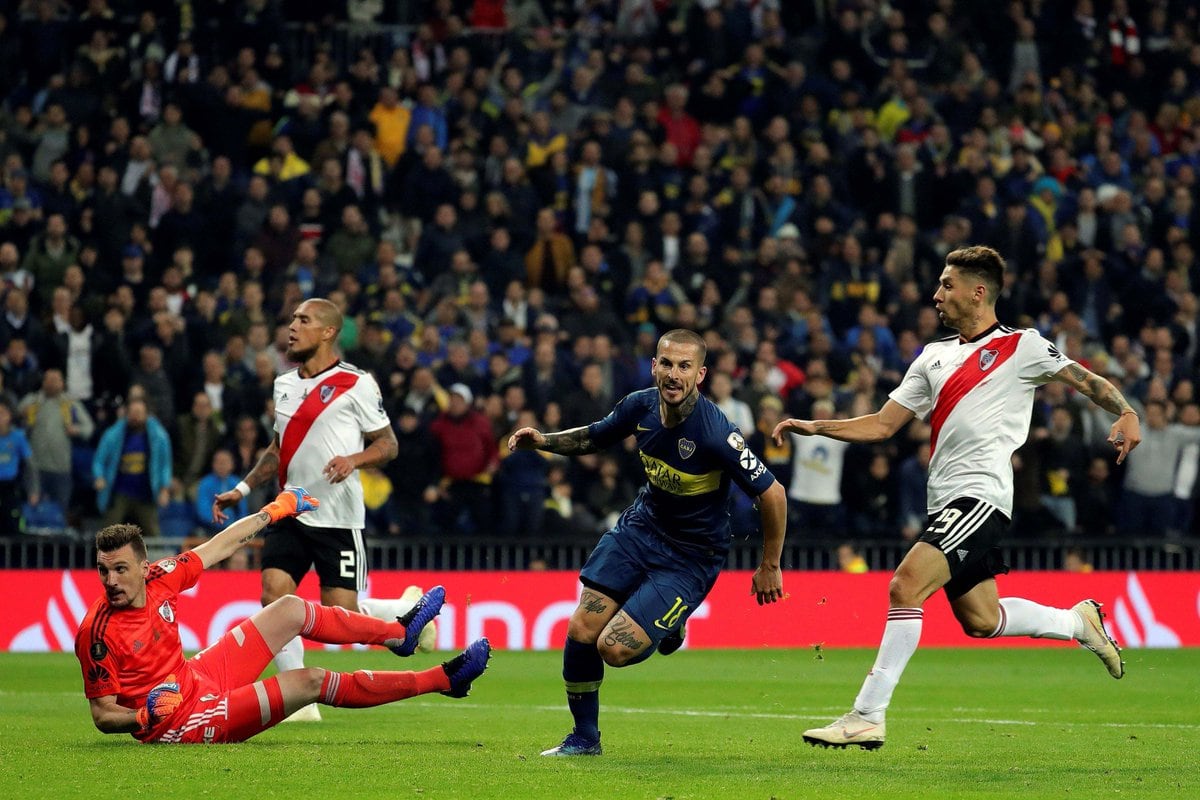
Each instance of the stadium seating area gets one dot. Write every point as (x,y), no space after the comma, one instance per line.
(512,200)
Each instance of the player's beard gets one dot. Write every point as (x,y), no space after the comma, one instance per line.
(298,356)
(686,395)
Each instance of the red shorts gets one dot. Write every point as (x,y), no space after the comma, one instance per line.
(230,704)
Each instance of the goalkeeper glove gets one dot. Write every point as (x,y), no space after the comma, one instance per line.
(160,704)
(289,503)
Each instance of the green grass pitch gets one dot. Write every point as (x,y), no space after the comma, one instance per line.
(974,723)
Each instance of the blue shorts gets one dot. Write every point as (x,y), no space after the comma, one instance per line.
(657,584)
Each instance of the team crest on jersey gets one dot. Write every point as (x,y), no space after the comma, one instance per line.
(99,650)
(987,358)
(686,448)
(167,565)
(166,612)
(326,393)
(736,441)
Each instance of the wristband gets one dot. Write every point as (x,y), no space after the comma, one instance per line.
(243,487)
(1123,413)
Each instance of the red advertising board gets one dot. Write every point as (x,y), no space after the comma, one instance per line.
(529,610)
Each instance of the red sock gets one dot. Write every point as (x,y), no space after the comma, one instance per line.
(366,688)
(334,625)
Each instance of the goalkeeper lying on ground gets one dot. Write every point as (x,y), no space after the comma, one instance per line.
(138,682)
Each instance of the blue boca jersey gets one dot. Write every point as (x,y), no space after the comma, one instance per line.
(688,469)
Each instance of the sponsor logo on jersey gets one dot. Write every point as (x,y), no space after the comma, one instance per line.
(208,698)
(686,448)
(663,476)
(326,394)
(98,675)
(736,441)
(167,565)
(936,365)
(98,651)
(962,554)
(987,358)
(748,460)
(642,427)
(166,612)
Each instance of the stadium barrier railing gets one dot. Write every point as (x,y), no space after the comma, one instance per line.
(493,553)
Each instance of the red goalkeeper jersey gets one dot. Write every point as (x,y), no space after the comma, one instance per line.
(127,652)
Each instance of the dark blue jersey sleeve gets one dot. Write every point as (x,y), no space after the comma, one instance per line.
(619,423)
(742,464)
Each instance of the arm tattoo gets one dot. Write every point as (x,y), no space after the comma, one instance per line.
(266,468)
(592,602)
(1099,390)
(382,445)
(621,632)
(574,442)
(264,518)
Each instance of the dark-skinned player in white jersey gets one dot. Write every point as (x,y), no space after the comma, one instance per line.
(977,390)
(329,422)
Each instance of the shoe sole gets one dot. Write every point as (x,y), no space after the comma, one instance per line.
(1104,632)
(839,746)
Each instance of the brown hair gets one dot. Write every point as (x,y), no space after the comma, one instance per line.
(684,336)
(982,263)
(114,537)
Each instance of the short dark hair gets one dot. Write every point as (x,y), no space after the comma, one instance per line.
(684,336)
(983,263)
(114,537)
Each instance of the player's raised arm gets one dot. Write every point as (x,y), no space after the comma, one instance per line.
(573,442)
(876,427)
(767,583)
(267,466)
(289,503)
(1126,433)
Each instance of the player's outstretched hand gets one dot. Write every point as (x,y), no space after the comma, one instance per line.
(1125,434)
(804,427)
(223,501)
(526,439)
(160,703)
(289,503)
(767,584)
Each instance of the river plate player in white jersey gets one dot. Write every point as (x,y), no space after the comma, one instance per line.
(329,422)
(977,390)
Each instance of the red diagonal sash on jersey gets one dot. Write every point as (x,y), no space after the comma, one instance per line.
(318,399)
(967,377)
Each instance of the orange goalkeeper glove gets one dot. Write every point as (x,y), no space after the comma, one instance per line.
(160,704)
(289,503)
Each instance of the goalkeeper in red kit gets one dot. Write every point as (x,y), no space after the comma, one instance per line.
(138,682)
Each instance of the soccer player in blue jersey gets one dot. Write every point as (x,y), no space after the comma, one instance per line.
(658,563)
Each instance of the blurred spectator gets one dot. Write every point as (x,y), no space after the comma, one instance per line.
(18,478)
(815,493)
(131,471)
(55,423)
(469,460)
(221,478)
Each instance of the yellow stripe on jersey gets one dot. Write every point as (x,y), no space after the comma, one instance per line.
(676,481)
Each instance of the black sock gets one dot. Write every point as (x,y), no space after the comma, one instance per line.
(583,670)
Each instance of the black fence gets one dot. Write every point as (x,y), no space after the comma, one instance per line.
(486,553)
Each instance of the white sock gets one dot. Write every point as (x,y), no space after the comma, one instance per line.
(390,610)
(900,638)
(290,656)
(1021,617)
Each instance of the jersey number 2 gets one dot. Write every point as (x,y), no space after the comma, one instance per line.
(347,564)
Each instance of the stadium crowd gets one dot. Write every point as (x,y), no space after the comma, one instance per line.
(511,201)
